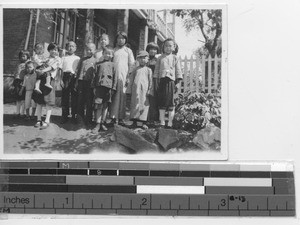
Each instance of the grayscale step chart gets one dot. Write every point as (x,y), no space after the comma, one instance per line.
(157,189)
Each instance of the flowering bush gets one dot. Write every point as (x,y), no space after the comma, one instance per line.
(195,111)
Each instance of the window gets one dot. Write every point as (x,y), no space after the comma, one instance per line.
(72,26)
(60,27)
(65,27)
(98,31)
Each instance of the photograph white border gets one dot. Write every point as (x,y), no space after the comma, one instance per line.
(189,156)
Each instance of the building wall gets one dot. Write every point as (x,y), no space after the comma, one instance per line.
(80,32)
(15,25)
(45,31)
(134,32)
(107,18)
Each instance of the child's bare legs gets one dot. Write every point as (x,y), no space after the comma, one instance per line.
(33,112)
(104,114)
(45,124)
(48,113)
(37,86)
(98,118)
(18,107)
(171,117)
(162,117)
(22,108)
(39,115)
(48,81)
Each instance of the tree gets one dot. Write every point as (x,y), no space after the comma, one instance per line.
(209,22)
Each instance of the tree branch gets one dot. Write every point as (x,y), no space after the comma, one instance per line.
(200,23)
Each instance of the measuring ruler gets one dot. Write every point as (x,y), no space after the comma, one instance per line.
(126,188)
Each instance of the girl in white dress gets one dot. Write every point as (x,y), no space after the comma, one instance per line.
(123,63)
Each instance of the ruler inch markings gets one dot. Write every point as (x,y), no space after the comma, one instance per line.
(260,199)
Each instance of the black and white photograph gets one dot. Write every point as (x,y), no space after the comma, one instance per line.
(115,83)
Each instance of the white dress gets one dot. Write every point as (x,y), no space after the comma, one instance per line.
(139,87)
(123,62)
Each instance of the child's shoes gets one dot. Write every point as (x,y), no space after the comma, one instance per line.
(169,126)
(38,123)
(44,125)
(96,129)
(145,127)
(48,86)
(103,127)
(121,122)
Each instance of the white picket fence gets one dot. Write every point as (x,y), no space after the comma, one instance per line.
(200,75)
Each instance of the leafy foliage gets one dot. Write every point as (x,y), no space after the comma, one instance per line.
(195,111)
(209,22)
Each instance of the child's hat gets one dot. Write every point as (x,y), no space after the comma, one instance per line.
(152,45)
(143,54)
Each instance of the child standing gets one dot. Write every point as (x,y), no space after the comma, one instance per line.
(28,85)
(84,77)
(48,99)
(153,115)
(168,71)
(104,41)
(24,56)
(139,87)
(69,65)
(104,84)
(124,61)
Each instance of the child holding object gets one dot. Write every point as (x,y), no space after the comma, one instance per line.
(168,71)
(124,62)
(41,63)
(28,86)
(140,86)
(47,97)
(104,84)
(24,56)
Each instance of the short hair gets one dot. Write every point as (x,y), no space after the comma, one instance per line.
(24,52)
(163,45)
(52,46)
(38,45)
(91,43)
(104,36)
(176,48)
(28,62)
(123,34)
(152,45)
(70,42)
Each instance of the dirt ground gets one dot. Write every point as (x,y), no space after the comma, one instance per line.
(20,136)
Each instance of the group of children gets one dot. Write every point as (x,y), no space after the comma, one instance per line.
(100,82)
